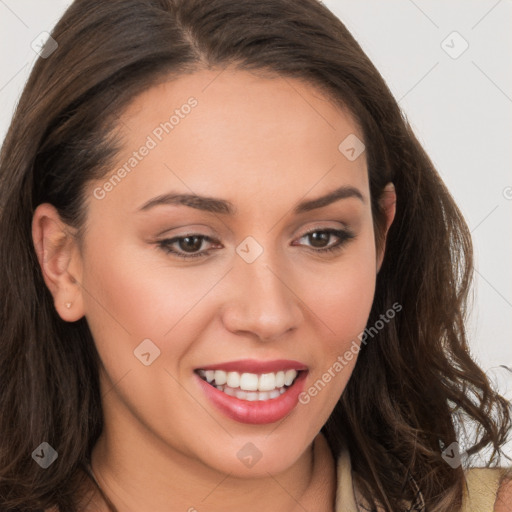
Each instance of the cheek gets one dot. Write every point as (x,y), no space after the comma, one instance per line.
(342,293)
(137,294)
(130,298)
(136,283)
(341,297)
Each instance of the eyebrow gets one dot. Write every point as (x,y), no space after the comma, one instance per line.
(216,205)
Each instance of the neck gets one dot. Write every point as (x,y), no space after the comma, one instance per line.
(309,484)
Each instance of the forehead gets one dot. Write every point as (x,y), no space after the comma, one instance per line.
(234,133)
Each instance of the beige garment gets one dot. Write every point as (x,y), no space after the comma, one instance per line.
(482,487)
(345,498)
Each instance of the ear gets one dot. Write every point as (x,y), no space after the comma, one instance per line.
(387,203)
(60,261)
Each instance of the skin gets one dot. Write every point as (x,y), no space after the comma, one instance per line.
(264,144)
(504,496)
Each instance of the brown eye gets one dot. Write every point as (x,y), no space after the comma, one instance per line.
(187,245)
(319,238)
(190,243)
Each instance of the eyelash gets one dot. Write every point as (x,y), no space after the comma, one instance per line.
(343,235)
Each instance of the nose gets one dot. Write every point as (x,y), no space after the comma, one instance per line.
(263,302)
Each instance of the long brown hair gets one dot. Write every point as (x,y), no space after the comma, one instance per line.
(412,382)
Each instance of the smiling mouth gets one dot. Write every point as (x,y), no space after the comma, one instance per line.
(250,387)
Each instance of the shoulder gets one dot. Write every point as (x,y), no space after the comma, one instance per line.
(504,497)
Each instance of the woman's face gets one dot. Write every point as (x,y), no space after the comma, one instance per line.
(261,297)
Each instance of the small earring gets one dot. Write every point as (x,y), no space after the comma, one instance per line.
(68,304)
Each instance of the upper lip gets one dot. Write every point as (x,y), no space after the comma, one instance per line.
(255,366)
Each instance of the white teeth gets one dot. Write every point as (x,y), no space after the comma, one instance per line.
(252,396)
(267,382)
(233,380)
(263,395)
(279,379)
(289,377)
(242,395)
(250,381)
(220,377)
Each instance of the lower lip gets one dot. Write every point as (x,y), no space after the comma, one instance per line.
(257,412)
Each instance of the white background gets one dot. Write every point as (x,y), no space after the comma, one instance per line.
(460,109)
